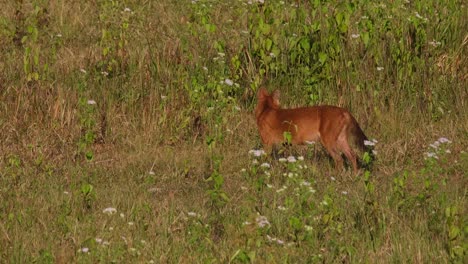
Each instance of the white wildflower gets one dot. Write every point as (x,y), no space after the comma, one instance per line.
(265,165)
(300,158)
(369,143)
(85,250)
(355,36)
(228,82)
(380,68)
(262,221)
(282,160)
(305,183)
(291,159)
(192,214)
(444,140)
(332,178)
(257,152)
(109,210)
(91,102)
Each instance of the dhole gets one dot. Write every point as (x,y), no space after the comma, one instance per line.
(332,125)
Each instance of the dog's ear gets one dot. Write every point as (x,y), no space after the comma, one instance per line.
(262,93)
(276,96)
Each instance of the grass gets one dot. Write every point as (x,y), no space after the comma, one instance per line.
(147,108)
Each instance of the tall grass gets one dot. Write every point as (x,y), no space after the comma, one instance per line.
(146,108)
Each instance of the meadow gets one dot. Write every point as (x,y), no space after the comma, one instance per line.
(127,132)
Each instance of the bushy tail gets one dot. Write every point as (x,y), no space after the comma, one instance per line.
(359,137)
(360,141)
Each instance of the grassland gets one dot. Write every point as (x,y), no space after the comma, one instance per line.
(126,130)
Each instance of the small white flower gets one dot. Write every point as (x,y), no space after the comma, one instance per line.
(305,183)
(109,210)
(131,223)
(272,55)
(58,35)
(237,108)
(344,192)
(300,158)
(312,190)
(228,82)
(280,242)
(65,192)
(380,68)
(192,214)
(98,240)
(104,73)
(257,152)
(308,228)
(290,175)
(282,208)
(244,188)
(254,161)
(243,170)
(434,43)
(431,155)
(262,221)
(111,228)
(151,172)
(291,159)
(282,160)
(265,165)
(434,146)
(246,223)
(221,54)
(269,186)
(122,215)
(91,102)
(85,250)
(369,143)
(281,189)
(444,140)
(205,68)
(332,178)
(355,36)
(448,151)
(163,97)
(127,9)
(83,70)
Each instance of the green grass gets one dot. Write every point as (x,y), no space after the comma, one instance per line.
(167,141)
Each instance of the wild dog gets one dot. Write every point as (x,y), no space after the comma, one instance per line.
(331,125)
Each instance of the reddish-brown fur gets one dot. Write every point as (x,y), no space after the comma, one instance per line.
(332,126)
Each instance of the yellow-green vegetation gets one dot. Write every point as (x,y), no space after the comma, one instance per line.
(127,132)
